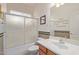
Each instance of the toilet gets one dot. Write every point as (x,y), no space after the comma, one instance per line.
(33,50)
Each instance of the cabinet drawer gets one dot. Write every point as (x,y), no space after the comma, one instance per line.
(41,52)
(50,52)
(42,48)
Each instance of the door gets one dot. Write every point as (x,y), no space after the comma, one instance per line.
(74,27)
(30,30)
(14,31)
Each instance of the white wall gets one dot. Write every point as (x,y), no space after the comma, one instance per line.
(64,12)
(40,11)
(69,11)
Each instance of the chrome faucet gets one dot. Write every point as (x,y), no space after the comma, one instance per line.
(61,41)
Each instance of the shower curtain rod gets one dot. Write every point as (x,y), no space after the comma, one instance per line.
(19,15)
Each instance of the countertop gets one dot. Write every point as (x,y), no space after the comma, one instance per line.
(69,49)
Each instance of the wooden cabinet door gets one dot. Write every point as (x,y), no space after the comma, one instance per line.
(42,48)
(45,51)
(50,52)
(41,52)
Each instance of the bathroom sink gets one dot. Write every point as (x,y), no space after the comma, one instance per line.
(59,42)
(60,45)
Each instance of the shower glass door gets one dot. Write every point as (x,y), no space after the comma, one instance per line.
(19,31)
(14,31)
(30,30)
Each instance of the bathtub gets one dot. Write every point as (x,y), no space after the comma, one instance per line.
(19,50)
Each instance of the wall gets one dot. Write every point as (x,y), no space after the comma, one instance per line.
(69,11)
(64,12)
(40,11)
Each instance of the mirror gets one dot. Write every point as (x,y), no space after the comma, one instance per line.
(65,18)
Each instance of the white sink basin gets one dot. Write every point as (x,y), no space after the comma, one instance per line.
(59,42)
(60,45)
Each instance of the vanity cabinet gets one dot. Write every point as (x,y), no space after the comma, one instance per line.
(50,52)
(44,51)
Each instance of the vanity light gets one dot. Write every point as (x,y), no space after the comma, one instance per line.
(62,3)
(56,4)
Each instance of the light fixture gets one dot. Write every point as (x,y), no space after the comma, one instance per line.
(56,4)
(59,4)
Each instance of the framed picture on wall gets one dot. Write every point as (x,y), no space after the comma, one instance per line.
(43,20)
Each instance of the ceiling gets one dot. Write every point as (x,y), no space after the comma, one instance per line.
(65,10)
(25,7)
